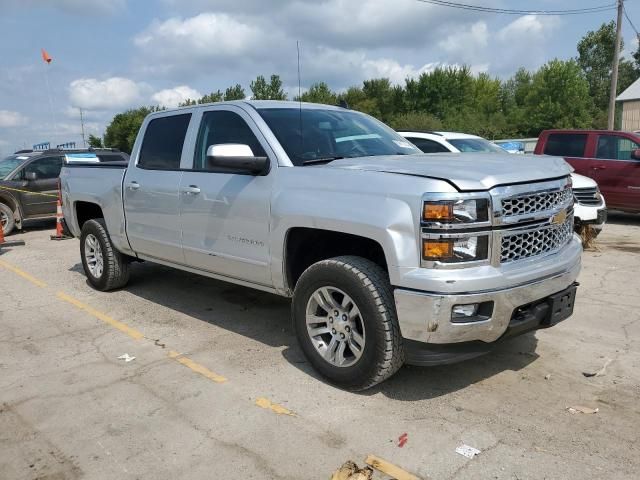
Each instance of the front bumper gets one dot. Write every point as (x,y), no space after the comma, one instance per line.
(426,317)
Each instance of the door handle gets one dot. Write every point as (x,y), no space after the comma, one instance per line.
(191,190)
(633,188)
(134,186)
(598,167)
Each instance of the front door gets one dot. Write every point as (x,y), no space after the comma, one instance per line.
(40,180)
(151,197)
(617,174)
(225,216)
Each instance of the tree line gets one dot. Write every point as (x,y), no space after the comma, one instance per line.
(570,93)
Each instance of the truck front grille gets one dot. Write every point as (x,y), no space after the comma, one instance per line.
(518,246)
(536,202)
(587,196)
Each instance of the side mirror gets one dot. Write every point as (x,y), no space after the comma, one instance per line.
(30,176)
(635,154)
(236,158)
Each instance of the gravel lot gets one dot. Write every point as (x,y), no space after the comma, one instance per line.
(219,388)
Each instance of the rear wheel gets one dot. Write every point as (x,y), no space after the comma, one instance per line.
(106,268)
(7,220)
(346,323)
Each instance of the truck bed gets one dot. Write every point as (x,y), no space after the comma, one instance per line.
(103,188)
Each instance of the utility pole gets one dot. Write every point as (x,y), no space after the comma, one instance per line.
(82,125)
(614,69)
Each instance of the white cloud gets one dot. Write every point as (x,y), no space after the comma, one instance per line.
(172,97)
(112,93)
(9,119)
(467,44)
(208,35)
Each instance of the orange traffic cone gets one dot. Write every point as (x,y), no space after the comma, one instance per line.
(1,234)
(59,229)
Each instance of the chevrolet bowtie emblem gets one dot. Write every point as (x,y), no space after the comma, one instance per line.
(558,218)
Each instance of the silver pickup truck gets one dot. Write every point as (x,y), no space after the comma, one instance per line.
(391,256)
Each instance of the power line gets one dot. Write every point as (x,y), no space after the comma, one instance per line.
(509,11)
(629,20)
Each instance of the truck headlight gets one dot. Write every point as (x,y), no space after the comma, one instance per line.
(456,211)
(456,250)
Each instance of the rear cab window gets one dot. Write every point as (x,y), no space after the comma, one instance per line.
(163,142)
(427,146)
(566,144)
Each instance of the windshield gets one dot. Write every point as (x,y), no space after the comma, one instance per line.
(9,164)
(332,134)
(466,145)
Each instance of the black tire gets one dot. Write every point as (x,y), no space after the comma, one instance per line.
(8,220)
(368,285)
(115,273)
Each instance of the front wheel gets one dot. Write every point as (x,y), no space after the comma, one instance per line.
(7,220)
(345,320)
(106,268)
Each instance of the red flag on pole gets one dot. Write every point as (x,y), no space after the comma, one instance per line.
(45,56)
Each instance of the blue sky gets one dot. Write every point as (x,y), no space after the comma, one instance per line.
(110,55)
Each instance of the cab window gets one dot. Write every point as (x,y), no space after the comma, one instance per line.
(223,127)
(45,168)
(427,146)
(163,142)
(615,147)
(566,144)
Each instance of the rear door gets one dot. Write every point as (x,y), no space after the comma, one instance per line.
(42,196)
(151,196)
(225,216)
(617,174)
(572,146)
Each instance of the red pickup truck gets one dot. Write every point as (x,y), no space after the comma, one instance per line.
(611,158)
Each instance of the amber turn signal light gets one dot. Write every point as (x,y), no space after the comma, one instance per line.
(438,212)
(437,249)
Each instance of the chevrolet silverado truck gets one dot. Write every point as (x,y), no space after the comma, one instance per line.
(390,256)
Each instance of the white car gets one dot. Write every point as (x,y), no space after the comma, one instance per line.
(589,207)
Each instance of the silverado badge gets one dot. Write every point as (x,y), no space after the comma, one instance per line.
(558,218)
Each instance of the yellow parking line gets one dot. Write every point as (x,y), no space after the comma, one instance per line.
(196,367)
(274,407)
(24,275)
(132,332)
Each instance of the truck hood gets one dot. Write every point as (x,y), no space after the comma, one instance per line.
(466,171)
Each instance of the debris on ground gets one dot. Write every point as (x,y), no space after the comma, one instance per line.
(599,373)
(467,451)
(547,376)
(389,469)
(126,357)
(350,471)
(402,440)
(588,236)
(581,409)
(158,344)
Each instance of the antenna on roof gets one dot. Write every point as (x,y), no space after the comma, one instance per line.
(300,100)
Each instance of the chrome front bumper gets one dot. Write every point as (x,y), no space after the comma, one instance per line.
(426,316)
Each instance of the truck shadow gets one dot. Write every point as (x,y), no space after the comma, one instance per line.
(265,318)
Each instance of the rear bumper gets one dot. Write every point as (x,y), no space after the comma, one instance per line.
(427,317)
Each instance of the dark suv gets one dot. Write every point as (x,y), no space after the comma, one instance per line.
(29,183)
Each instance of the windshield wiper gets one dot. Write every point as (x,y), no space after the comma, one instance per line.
(321,160)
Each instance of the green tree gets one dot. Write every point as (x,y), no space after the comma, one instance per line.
(559,98)
(595,57)
(234,93)
(121,132)
(272,90)
(319,93)
(416,121)
(94,141)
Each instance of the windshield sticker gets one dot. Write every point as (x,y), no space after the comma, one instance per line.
(81,157)
(402,144)
(350,138)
